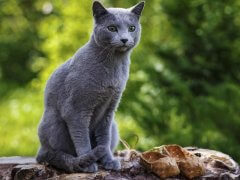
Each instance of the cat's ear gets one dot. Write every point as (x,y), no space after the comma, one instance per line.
(137,9)
(98,9)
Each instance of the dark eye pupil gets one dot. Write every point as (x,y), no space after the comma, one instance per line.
(112,28)
(132,28)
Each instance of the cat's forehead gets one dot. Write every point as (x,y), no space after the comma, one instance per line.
(121,15)
(118,11)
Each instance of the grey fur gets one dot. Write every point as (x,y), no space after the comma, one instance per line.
(77,129)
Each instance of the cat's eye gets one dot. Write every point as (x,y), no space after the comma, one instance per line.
(112,28)
(131,28)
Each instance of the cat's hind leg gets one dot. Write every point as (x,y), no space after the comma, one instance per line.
(57,159)
(70,163)
(57,148)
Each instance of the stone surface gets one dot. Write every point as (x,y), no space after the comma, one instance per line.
(17,160)
(218,165)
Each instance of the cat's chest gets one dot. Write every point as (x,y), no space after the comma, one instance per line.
(114,76)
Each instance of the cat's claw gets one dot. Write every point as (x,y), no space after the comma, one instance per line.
(112,165)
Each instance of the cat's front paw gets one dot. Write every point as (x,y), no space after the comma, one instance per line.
(91,169)
(76,168)
(113,164)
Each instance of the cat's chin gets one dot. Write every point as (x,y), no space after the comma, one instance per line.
(123,49)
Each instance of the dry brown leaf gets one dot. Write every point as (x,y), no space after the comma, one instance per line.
(161,158)
(190,165)
(160,164)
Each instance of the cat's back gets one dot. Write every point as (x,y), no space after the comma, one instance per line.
(55,83)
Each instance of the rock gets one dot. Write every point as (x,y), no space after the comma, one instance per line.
(17,160)
(218,166)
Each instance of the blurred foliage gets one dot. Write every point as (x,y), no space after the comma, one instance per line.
(19,43)
(184,82)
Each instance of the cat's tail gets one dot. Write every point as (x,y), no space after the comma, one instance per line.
(69,163)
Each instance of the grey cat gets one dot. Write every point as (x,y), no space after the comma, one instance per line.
(77,129)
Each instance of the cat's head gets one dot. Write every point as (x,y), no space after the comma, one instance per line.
(117,28)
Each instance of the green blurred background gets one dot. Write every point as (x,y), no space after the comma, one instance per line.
(184,85)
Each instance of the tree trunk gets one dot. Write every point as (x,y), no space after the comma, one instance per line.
(218,166)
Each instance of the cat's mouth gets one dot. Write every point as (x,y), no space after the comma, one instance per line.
(123,48)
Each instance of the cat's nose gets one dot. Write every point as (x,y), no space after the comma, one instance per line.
(124,40)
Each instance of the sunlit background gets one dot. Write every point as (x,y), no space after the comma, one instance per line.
(184,86)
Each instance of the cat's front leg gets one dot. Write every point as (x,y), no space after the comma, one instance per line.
(79,132)
(78,126)
(103,137)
